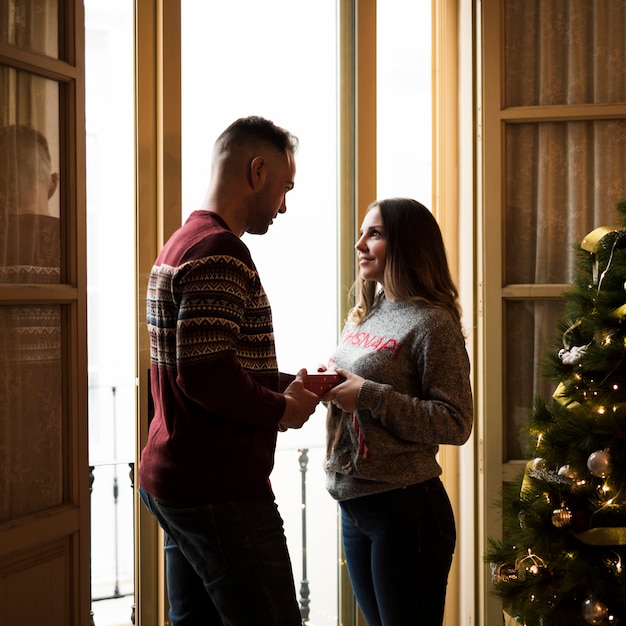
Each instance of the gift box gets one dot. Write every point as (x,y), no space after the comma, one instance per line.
(321,382)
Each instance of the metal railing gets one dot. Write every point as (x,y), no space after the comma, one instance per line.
(107,514)
(113,537)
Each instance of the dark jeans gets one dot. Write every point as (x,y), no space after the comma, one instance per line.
(227,564)
(398,547)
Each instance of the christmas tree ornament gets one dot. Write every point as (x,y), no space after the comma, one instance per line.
(620,311)
(592,241)
(599,463)
(562,517)
(613,562)
(594,611)
(502,572)
(569,505)
(562,398)
(528,565)
(573,355)
(613,536)
(568,472)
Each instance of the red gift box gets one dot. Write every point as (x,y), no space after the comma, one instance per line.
(321,382)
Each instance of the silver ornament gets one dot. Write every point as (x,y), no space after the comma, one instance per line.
(599,463)
(539,464)
(594,611)
(568,472)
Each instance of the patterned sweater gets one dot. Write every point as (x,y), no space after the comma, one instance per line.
(416,395)
(214,377)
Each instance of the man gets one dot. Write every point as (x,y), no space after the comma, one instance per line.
(204,472)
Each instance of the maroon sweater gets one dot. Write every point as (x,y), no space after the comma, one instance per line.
(214,377)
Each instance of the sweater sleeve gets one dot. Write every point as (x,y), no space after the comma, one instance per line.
(442,412)
(225,357)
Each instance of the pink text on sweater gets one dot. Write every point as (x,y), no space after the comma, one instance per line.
(365,340)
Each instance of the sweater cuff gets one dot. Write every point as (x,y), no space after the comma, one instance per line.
(369,396)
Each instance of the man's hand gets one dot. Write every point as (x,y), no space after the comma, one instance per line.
(300,403)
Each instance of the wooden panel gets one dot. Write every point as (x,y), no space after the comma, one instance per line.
(33,586)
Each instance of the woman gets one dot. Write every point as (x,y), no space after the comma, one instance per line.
(406,390)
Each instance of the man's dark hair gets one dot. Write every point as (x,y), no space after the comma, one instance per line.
(256,129)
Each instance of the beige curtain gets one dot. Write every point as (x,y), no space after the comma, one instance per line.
(563,178)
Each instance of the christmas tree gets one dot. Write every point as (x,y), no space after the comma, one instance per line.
(562,559)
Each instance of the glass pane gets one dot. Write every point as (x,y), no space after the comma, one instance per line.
(109,109)
(563,180)
(30,249)
(31,24)
(567,52)
(284,71)
(31,384)
(531,327)
(404,100)
(31,420)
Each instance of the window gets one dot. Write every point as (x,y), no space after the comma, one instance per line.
(404,100)
(563,169)
(553,149)
(271,71)
(111,301)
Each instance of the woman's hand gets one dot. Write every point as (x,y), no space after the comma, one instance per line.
(344,394)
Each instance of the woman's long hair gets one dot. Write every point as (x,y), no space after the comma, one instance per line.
(416,267)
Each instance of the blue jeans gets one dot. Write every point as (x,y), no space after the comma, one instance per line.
(227,564)
(398,547)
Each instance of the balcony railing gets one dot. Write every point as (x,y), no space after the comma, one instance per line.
(305,507)
(112,550)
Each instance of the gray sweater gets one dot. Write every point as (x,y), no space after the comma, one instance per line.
(416,395)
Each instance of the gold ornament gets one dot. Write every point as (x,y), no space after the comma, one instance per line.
(562,517)
(529,565)
(502,572)
(561,398)
(591,242)
(614,536)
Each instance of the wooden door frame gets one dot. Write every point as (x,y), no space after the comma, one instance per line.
(158,214)
(158,195)
(56,542)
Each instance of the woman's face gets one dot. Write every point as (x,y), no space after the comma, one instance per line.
(372,247)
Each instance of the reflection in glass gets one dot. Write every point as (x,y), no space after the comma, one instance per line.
(30,236)
(31,24)
(30,333)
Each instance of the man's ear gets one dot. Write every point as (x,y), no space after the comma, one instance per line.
(258,171)
(54,182)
